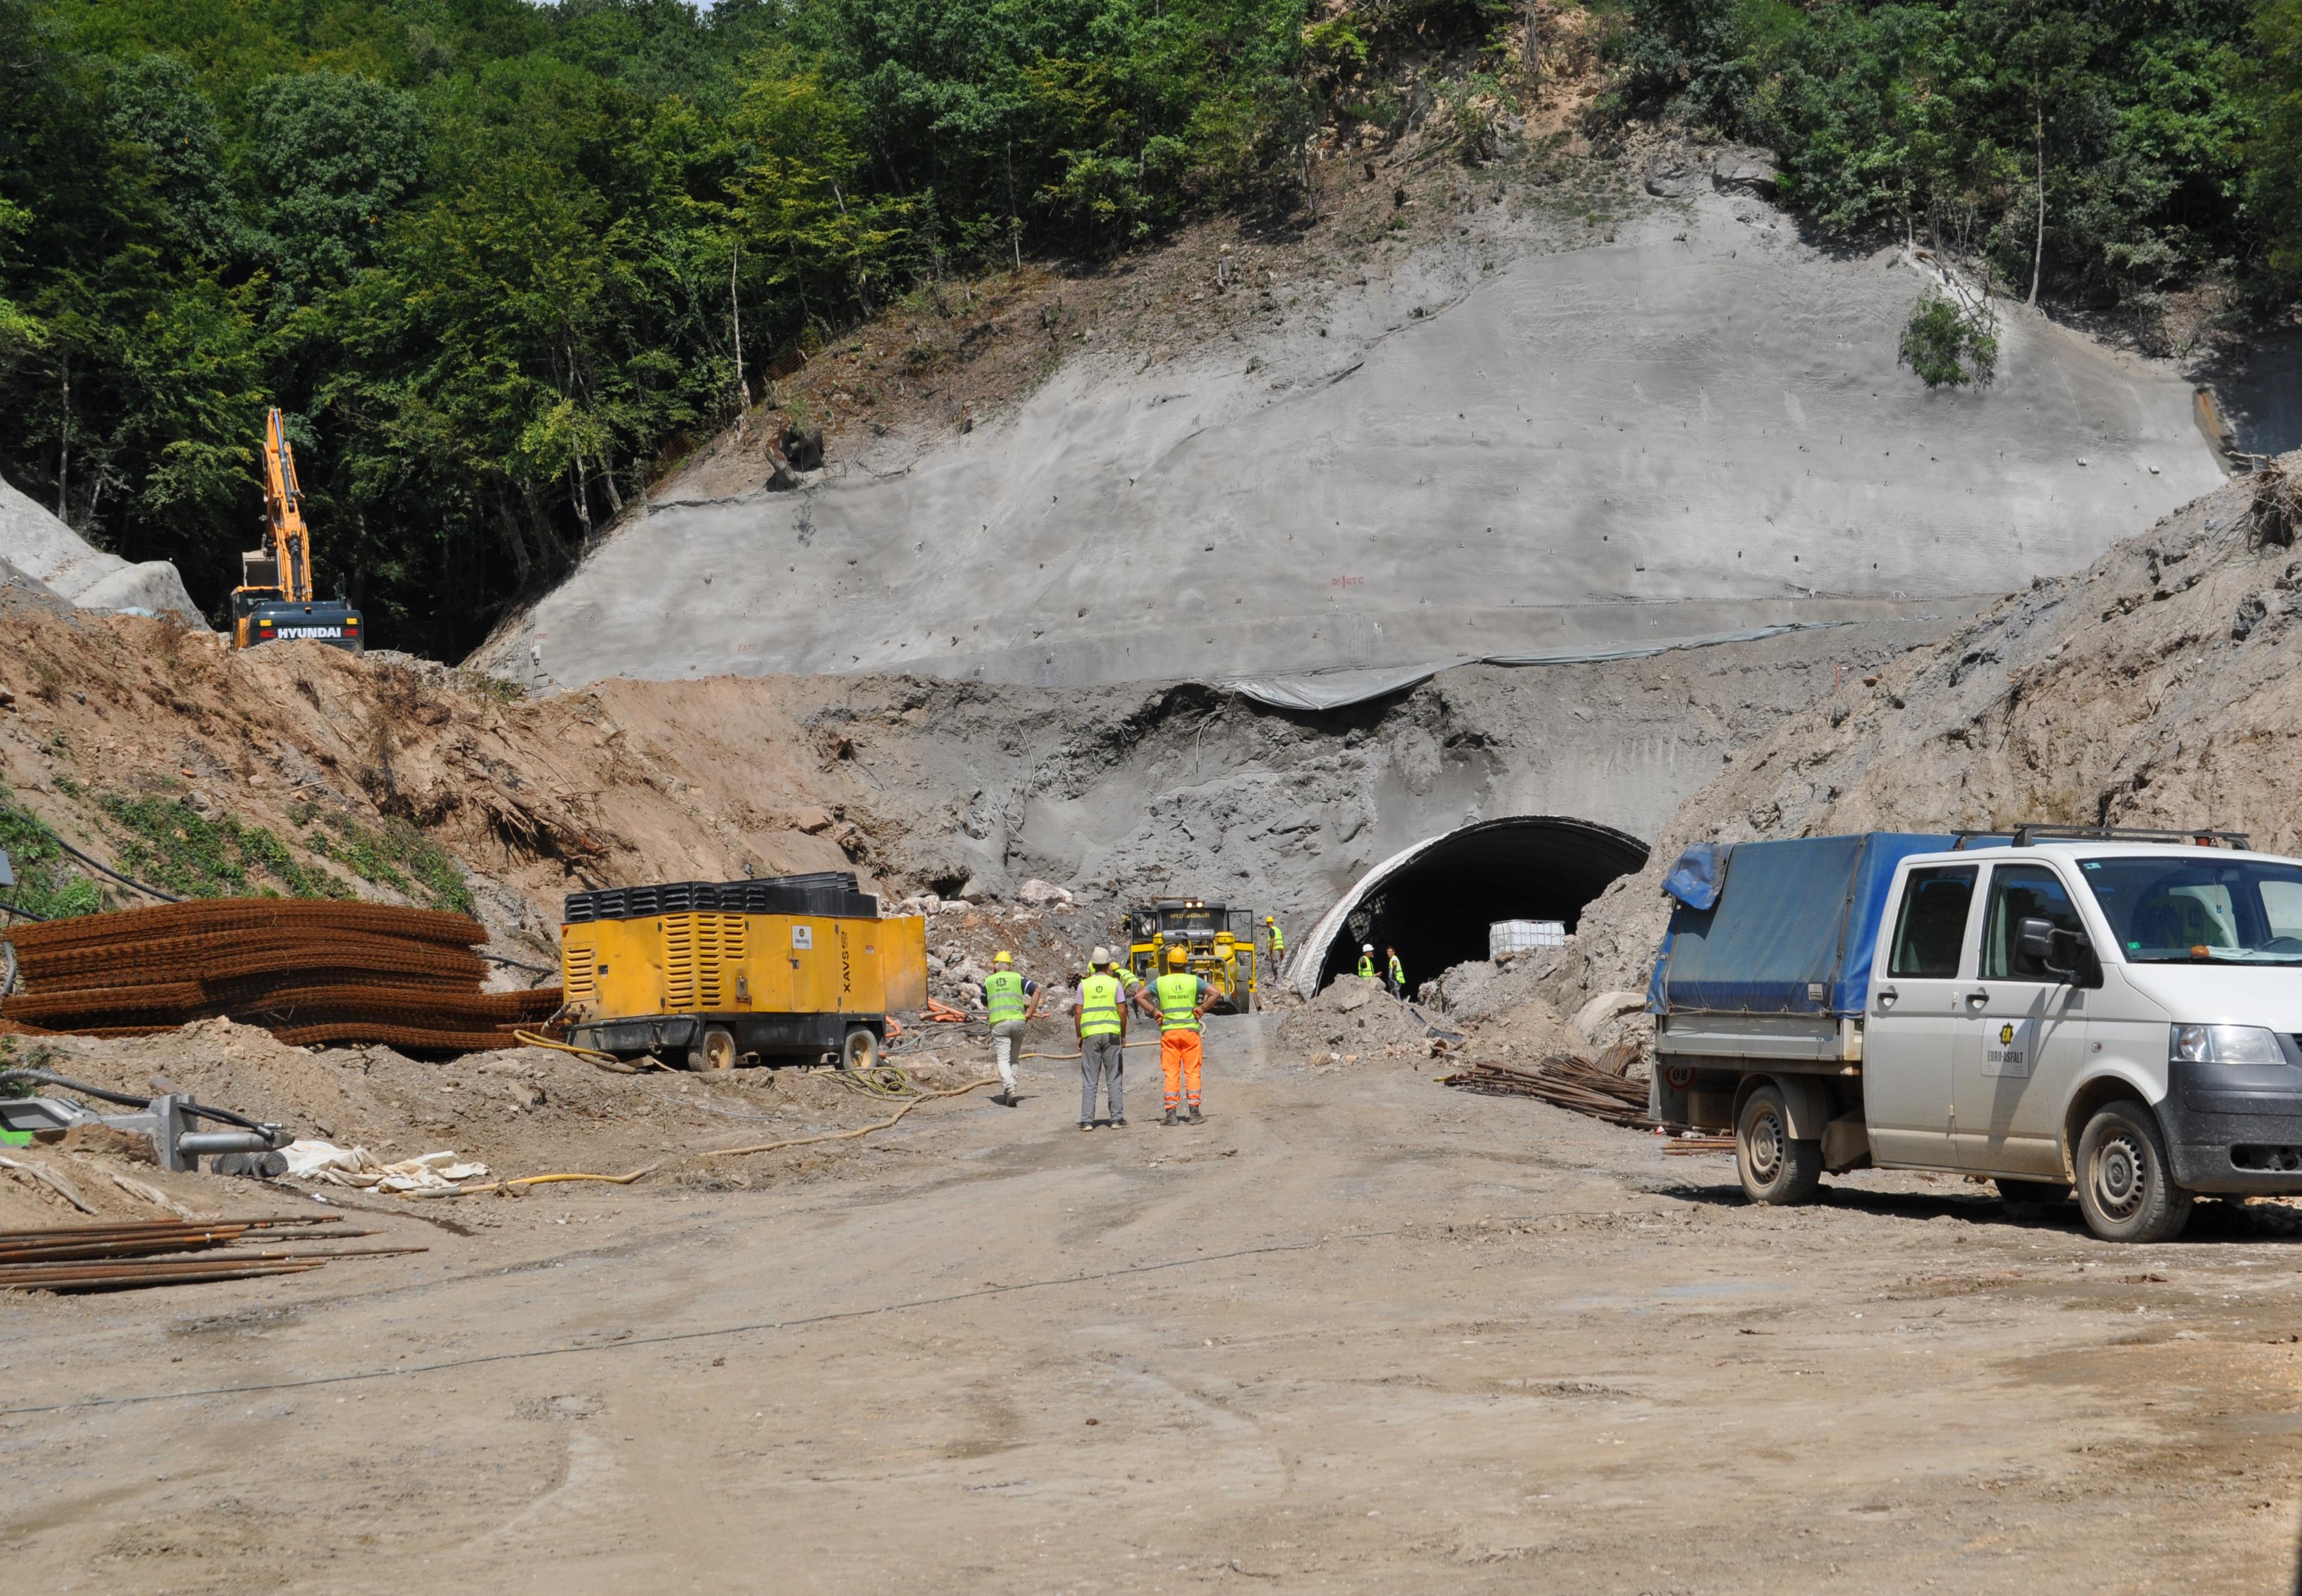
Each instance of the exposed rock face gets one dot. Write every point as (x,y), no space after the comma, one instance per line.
(1744,172)
(37,545)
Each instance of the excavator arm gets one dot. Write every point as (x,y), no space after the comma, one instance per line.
(283,514)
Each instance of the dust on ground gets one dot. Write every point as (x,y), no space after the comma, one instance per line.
(521,1112)
(1356,1332)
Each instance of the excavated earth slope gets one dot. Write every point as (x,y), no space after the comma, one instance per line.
(1502,445)
(2157,687)
(962,789)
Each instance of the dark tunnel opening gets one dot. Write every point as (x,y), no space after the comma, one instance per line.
(1435,907)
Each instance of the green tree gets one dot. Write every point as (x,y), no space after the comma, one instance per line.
(1950,343)
(331,158)
(2276,177)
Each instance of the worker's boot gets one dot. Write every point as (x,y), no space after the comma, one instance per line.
(1195,1116)
(1168,1118)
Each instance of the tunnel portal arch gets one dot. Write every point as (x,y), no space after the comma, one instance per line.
(1435,901)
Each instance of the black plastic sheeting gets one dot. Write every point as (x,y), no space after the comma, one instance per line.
(1435,906)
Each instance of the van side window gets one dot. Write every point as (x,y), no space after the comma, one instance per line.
(1932,923)
(2020,892)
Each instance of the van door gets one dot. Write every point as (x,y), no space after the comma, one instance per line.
(2023,1039)
(1912,1030)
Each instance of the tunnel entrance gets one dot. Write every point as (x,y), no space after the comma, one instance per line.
(1433,902)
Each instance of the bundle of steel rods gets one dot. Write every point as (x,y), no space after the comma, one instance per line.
(1565,1080)
(308,971)
(110,1257)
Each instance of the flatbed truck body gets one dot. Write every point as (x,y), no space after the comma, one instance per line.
(2113,1015)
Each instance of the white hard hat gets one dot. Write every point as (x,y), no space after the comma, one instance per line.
(1366,947)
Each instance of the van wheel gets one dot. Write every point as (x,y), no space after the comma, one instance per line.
(1776,1169)
(860,1052)
(713,1051)
(2126,1187)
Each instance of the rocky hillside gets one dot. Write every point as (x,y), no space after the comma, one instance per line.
(2157,687)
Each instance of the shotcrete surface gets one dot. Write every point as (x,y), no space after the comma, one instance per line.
(1698,426)
(48,556)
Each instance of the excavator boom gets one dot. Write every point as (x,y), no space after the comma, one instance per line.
(283,512)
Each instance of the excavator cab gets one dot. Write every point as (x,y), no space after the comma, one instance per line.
(273,602)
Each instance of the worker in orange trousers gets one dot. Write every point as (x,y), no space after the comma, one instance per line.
(1182,1000)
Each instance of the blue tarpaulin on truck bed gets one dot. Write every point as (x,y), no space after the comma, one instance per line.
(1789,930)
(1695,880)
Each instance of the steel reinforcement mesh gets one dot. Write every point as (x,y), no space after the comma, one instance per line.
(309,972)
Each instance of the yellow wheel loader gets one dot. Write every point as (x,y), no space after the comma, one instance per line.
(1220,941)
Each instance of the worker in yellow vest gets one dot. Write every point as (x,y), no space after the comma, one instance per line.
(1010,1002)
(1277,946)
(1101,1006)
(1366,960)
(1183,998)
(1397,972)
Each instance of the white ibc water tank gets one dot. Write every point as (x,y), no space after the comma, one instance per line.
(1519,936)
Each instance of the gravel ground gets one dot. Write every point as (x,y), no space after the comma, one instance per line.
(1356,1332)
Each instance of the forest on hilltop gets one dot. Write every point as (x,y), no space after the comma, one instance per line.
(498,260)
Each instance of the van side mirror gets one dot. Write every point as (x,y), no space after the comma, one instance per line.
(2040,942)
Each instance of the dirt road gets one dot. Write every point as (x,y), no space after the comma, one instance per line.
(1356,1332)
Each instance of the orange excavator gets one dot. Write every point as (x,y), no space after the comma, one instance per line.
(273,602)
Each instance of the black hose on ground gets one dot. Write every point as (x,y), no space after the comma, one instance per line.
(105,1094)
(95,863)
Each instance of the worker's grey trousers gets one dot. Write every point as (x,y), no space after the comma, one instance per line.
(1006,1042)
(1102,1059)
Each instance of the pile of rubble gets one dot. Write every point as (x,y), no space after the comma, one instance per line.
(1351,1020)
(1044,928)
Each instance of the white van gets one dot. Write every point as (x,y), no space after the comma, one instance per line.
(2120,1017)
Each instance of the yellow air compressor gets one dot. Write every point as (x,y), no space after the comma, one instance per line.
(714,974)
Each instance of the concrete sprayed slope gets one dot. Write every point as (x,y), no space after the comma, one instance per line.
(1700,427)
(39,547)
(2155,688)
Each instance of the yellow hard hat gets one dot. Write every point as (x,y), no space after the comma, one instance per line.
(1266,919)
(1003,957)
(1176,955)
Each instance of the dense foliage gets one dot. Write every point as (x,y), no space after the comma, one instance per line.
(499,260)
(2164,133)
(493,257)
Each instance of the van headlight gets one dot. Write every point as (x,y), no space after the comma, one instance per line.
(2225,1044)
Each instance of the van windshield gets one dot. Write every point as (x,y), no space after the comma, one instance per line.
(2189,910)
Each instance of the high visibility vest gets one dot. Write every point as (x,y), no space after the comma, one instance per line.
(1278,942)
(1099,1007)
(1003,996)
(1398,971)
(1178,997)
(1366,967)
